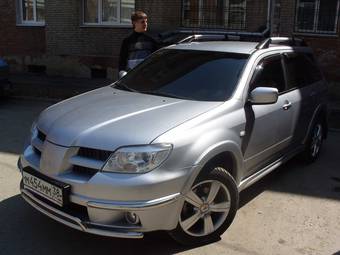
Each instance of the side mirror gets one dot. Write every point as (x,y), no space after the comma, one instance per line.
(122,74)
(264,95)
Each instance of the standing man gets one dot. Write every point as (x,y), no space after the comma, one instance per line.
(138,45)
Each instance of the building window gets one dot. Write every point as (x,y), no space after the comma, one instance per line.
(228,14)
(31,12)
(108,12)
(317,16)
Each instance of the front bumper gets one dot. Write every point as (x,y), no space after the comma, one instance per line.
(75,222)
(90,212)
(119,231)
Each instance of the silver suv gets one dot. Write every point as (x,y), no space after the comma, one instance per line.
(171,144)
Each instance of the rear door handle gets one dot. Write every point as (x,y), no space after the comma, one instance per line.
(287,105)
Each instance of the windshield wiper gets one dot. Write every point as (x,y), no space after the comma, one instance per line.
(157,93)
(121,85)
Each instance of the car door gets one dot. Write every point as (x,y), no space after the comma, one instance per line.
(268,126)
(303,81)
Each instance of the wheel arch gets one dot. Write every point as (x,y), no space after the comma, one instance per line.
(320,112)
(226,154)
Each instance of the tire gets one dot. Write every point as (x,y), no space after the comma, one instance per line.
(314,142)
(209,208)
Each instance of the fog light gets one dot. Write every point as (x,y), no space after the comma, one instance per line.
(132,218)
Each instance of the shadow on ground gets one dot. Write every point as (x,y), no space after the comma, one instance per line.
(320,179)
(26,231)
(16,117)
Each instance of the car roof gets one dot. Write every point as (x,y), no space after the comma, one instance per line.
(220,46)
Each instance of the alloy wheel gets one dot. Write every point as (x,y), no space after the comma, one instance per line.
(316,140)
(205,208)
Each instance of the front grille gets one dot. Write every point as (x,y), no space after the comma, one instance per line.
(41,136)
(84,171)
(85,155)
(94,154)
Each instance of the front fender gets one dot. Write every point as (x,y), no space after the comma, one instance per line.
(212,151)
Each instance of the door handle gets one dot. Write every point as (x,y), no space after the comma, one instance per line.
(287,105)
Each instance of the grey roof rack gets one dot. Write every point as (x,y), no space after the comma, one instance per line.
(187,36)
(288,41)
(178,37)
(208,37)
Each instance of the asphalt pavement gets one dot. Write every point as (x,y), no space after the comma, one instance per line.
(294,210)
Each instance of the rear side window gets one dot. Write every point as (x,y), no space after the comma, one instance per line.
(269,73)
(301,70)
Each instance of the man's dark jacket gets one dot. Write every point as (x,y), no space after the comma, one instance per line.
(135,48)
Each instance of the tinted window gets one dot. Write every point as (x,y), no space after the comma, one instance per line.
(269,73)
(301,70)
(188,74)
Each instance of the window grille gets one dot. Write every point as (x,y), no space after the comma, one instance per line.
(31,12)
(107,12)
(228,14)
(317,16)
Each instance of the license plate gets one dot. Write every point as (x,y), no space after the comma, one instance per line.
(46,189)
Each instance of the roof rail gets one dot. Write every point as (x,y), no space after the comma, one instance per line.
(265,44)
(187,36)
(217,37)
(211,37)
(178,37)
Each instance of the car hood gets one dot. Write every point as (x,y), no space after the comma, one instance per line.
(108,118)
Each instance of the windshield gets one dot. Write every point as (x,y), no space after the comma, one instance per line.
(186,74)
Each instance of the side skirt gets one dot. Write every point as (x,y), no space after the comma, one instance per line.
(268,169)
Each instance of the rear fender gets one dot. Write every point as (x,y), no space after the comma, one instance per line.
(320,111)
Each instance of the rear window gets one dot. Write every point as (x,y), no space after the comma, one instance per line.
(301,70)
(187,74)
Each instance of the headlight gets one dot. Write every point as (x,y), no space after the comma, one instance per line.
(137,159)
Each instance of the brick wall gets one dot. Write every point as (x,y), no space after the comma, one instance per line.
(95,47)
(257,12)
(19,44)
(326,48)
(66,47)
(327,51)
(66,36)
(80,48)
(163,15)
